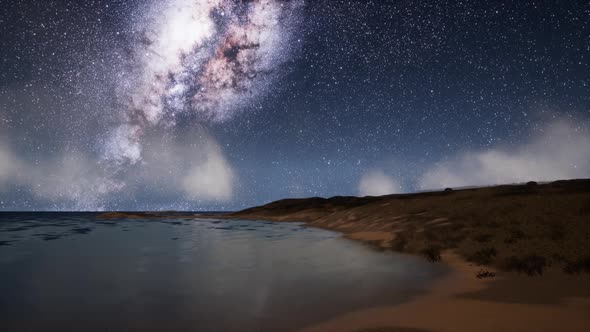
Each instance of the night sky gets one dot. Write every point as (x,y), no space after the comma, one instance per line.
(224,104)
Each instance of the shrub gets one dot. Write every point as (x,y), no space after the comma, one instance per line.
(448,189)
(531,183)
(515,235)
(578,266)
(432,234)
(585,210)
(557,233)
(399,242)
(531,264)
(485,274)
(492,224)
(483,256)
(482,237)
(431,253)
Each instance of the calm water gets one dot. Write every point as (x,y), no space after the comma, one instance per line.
(73,272)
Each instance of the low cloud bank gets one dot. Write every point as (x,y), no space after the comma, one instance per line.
(70,180)
(197,169)
(561,151)
(377,183)
(178,170)
(73,178)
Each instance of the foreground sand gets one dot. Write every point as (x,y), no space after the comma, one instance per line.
(453,304)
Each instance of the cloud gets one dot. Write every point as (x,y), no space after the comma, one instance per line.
(191,164)
(73,179)
(561,151)
(9,166)
(181,169)
(376,183)
(210,179)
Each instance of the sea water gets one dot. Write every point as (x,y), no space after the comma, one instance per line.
(77,272)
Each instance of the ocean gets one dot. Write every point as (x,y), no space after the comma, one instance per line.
(77,272)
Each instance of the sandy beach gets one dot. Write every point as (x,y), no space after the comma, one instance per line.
(459,303)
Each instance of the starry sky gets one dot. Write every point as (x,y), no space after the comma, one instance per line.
(225,104)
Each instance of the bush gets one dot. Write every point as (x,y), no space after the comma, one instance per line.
(578,266)
(531,183)
(482,237)
(431,253)
(557,233)
(485,274)
(399,242)
(448,189)
(515,235)
(483,256)
(531,265)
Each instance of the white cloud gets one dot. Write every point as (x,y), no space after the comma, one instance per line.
(70,177)
(211,178)
(562,151)
(377,183)
(73,178)
(179,170)
(196,169)
(9,166)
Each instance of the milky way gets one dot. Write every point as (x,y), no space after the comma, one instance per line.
(205,57)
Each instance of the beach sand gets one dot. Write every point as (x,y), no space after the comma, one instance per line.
(459,303)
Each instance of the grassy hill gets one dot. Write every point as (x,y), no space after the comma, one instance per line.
(526,228)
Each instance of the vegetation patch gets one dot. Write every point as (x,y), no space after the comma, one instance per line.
(431,253)
(522,228)
(485,274)
(578,266)
(391,329)
(531,264)
(483,237)
(515,236)
(483,256)
(399,242)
